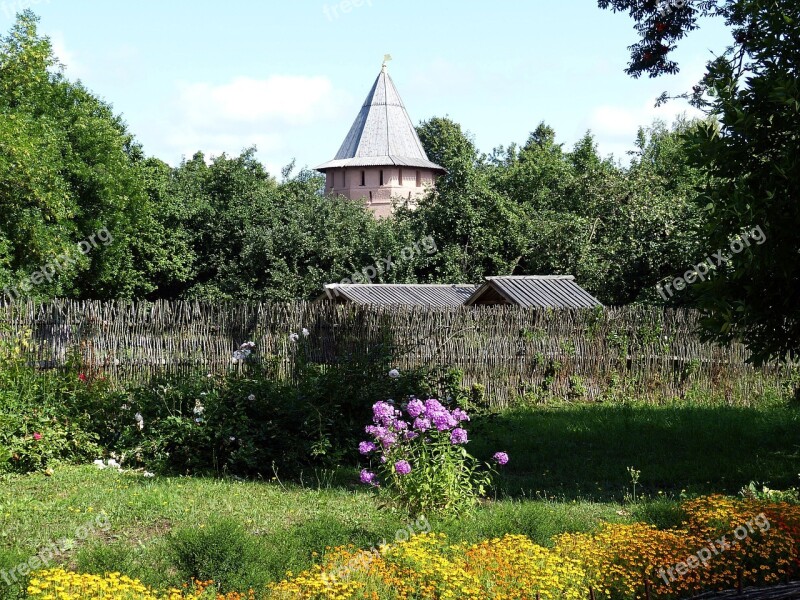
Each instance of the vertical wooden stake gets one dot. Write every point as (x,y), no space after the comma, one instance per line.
(739,580)
(591,594)
(646,588)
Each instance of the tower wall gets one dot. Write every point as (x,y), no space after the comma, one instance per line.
(348,182)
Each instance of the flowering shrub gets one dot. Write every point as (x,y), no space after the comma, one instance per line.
(58,584)
(428,566)
(615,561)
(41,419)
(421,457)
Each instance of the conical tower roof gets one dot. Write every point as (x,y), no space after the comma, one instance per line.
(382,134)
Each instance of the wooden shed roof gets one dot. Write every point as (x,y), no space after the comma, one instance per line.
(399,294)
(536,291)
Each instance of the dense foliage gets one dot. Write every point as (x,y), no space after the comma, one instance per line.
(747,152)
(224,228)
(249,422)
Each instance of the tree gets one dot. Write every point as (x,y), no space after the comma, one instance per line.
(69,169)
(748,153)
(475,227)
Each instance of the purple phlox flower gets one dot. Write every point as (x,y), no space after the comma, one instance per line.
(433,405)
(460,415)
(368,477)
(443,420)
(410,435)
(415,408)
(388,439)
(375,430)
(399,425)
(394,373)
(422,423)
(458,436)
(402,467)
(500,457)
(383,460)
(366,447)
(382,413)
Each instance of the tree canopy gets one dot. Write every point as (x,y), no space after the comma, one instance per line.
(224,228)
(747,154)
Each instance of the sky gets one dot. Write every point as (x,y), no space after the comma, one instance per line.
(290,76)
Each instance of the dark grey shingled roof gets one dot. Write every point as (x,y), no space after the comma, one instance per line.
(400,294)
(382,134)
(538,291)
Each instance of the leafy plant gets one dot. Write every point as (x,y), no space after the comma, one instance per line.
(422,459)
(40,420)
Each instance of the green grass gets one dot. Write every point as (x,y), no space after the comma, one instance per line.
(579,451)
(153,521)
(567,473)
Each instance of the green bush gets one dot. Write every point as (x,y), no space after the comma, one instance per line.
(40,422)
(223,551)
(246,423)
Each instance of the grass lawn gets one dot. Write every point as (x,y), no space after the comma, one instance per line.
(576,452)
(567,473)
(153,520)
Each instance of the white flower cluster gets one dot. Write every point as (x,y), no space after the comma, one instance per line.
(244,352)
(198,411)
(113,464)
(294,337)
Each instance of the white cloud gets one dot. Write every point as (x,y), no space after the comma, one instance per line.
(285,99)
(615,125)
(246,112)
(72,67)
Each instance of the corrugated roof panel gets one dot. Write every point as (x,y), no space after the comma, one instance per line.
(404,294)
(539,291)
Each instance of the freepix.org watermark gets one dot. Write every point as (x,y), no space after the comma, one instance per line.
(344,7)
(48,553)
(363,559)
(719,258)
(48,271)
(384,265)
(13,7)
(706,553)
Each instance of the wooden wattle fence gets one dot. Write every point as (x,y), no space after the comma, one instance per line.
(645,353)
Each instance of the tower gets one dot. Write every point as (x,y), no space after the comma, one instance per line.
(382,157)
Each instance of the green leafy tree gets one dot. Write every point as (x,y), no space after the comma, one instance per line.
(747,151)
(68,169)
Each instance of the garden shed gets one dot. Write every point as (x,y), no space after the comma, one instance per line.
(533,291)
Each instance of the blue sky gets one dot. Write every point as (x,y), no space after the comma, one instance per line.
(290,76)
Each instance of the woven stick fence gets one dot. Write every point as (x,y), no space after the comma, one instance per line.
(645,353)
